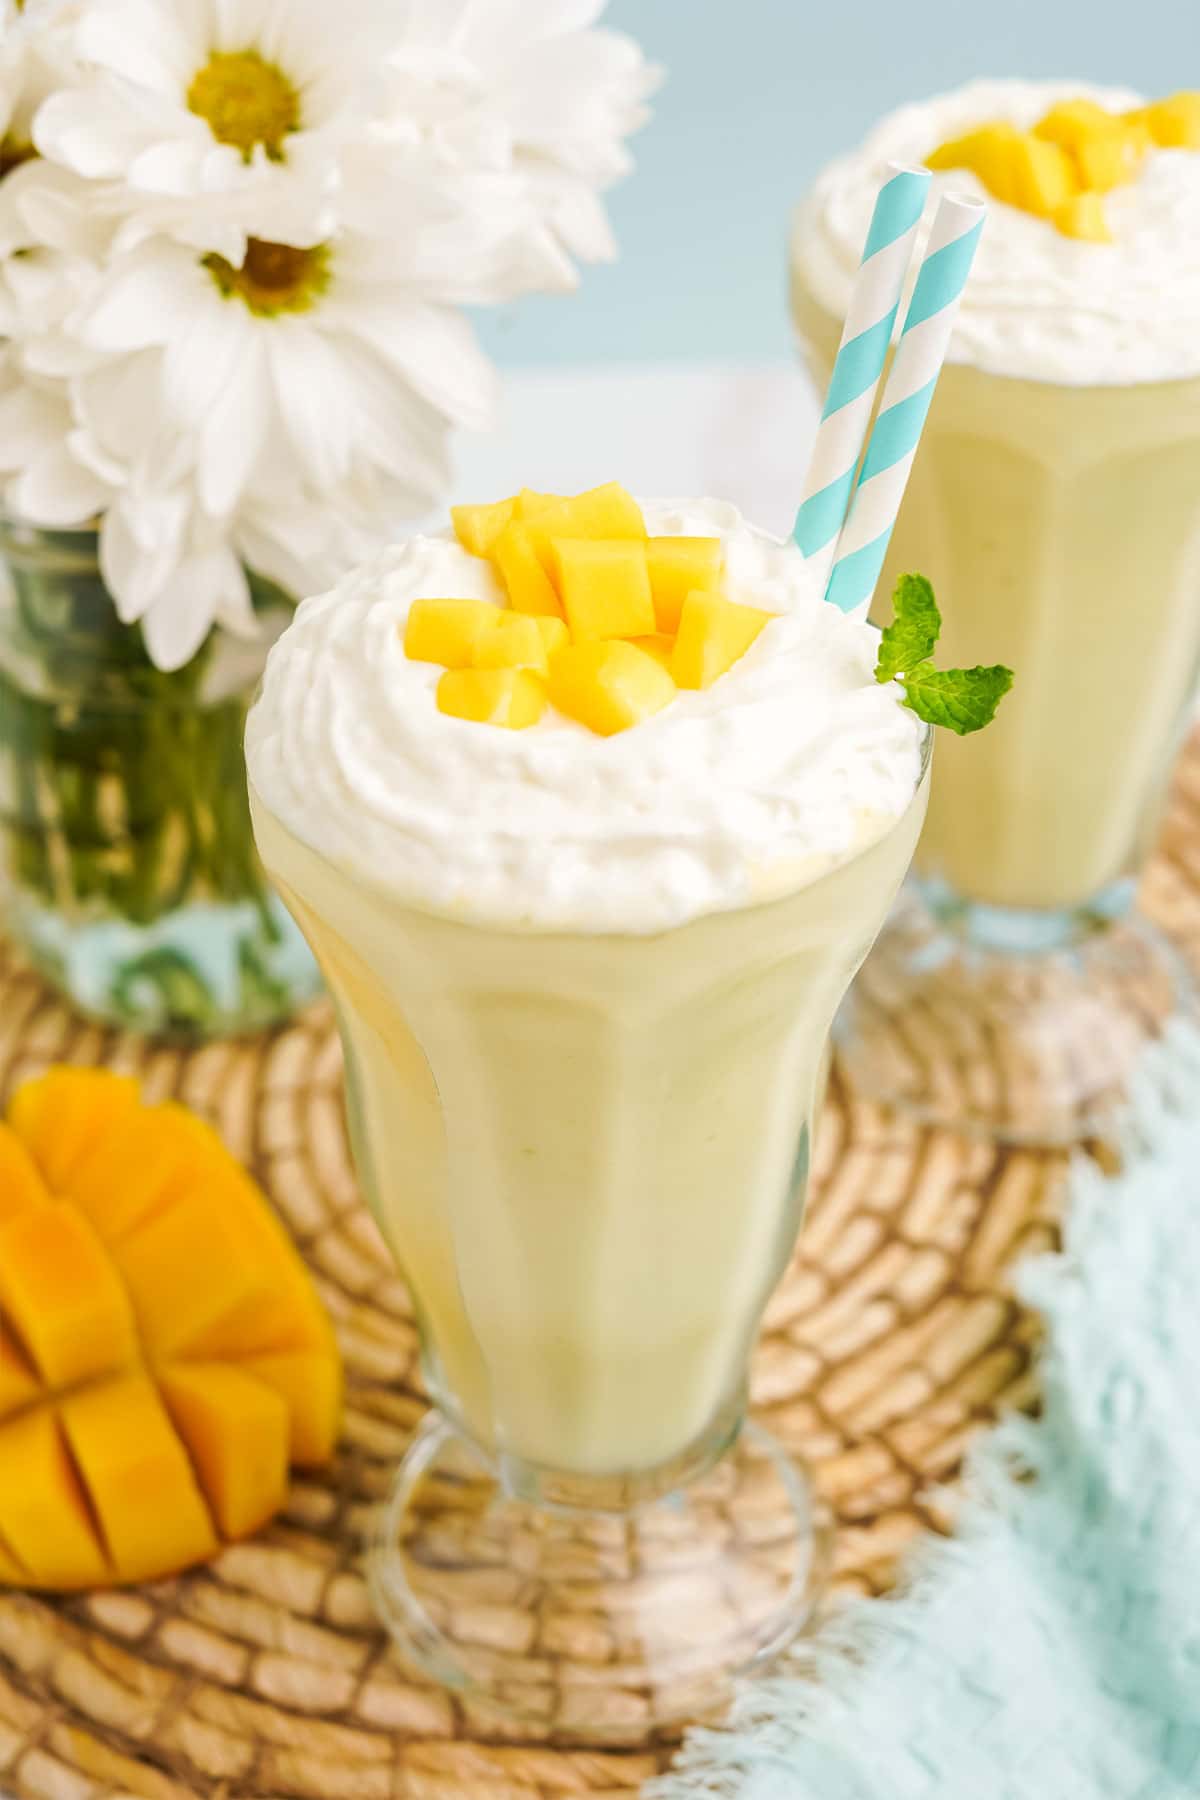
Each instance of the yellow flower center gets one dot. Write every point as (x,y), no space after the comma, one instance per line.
(274,278)
(246,101)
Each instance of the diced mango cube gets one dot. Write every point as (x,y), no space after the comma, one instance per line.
(139,1479)
(513,698)
(989,152)
(478,527)
(608,685)
(136,1168)
(714,633)
(448,631)
(1043,174)
(19,1385)
(1073,122)
(59,1115)
(514,643)
(1174,123)
(310,1384)
(680,566)
(63,1296)
(660,647)
(1108,162)
(530,502)
(529,587)
(236,1432)
(47,1522)
(21,1187)
(1082,216)
(603,512)
(605,587)
(554,632)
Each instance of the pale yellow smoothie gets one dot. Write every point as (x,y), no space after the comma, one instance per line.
(1055,505)
(585,987)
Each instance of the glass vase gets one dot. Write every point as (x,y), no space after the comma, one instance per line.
(127,865)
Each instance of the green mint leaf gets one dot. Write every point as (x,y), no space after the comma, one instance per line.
(962,700)
(910,639)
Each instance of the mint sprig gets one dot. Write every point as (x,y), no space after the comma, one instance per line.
(960,700)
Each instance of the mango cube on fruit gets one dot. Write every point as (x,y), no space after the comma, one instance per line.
(530,502)
(447,631)
(1106,151)
(478,527)
(1108,162)
(65,1300)
(1044,176)
(21,1187)
(236,1432)
(156,1244)
(139,1478)
(660,647)
(554,632)
(605,587)
(989,153)
(602,512)
(1082,216)
(680,566)
(512,698)
(608,686)
(1174,123)
(514,642)
(714,633)
(520,567)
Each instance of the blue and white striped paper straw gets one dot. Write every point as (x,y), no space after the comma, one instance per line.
(866,338)
(907,395)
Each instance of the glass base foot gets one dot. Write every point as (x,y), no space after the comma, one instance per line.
(594,1626)
(1037,1043)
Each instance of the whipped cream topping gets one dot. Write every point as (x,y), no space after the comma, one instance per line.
(1038,305)
(791,762)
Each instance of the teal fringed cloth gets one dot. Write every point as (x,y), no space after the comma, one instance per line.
(1051,1650)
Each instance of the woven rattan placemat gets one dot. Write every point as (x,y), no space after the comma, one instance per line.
(893,1338)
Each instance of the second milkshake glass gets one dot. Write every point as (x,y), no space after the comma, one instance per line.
(1018,988)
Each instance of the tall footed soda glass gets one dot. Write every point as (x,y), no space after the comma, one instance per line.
(1055,505)
(581,1079)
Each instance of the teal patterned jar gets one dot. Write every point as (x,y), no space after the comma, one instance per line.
(128,872)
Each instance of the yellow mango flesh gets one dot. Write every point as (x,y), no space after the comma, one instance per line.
(520,568)
(138,1477)
(554,633)
(989,152)
(45,1521)
(1174,123)
(236,1431)
(1070,123)
(660,647)
(605,587)
(58,1116)
(1108,162)
(680,566)
(21,1187)
(62,1296)
(714,633)
(1083,217)
(478,527)
(530,502)
(184,1244)
(514,642)
(448,632)
(608,686)
(512,698)
(606,512)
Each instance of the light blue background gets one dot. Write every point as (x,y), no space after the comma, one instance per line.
(761,92)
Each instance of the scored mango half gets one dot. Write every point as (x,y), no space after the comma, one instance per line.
(164,1356)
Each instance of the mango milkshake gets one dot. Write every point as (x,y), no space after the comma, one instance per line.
(1055,500)
(590,814)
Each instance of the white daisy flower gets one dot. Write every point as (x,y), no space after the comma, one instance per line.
(216,119)
(285,402)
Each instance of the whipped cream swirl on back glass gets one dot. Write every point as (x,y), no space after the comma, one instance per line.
(793,761)
(1038,304)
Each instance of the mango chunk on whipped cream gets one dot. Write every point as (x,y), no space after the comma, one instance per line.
(603,622)
(1076,153)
